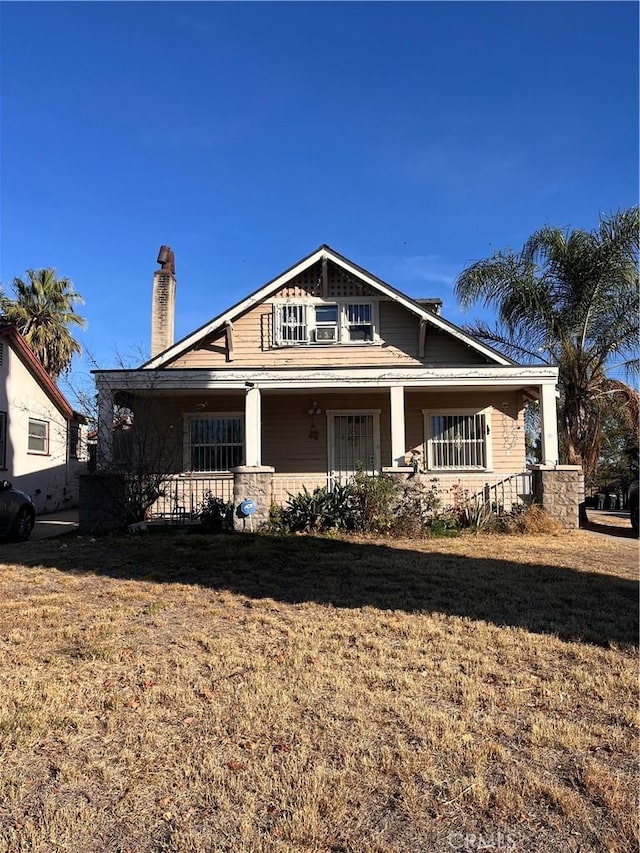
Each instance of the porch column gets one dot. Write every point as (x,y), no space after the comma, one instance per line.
(104,436)
(253,428)
(398,442)
(549,425)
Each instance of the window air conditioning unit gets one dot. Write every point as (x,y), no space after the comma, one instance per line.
(326,334)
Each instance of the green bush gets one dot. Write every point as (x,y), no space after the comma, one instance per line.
(315,512)
(216,515)
(374,499)
(368,503)
(473,513)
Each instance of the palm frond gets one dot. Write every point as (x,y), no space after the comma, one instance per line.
(43,311)
(570,298)
(508,345)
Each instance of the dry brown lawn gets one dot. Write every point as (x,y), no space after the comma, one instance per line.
(244,693)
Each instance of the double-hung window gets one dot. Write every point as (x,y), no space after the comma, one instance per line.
(327,329)
(458,441)
(38,436)
(215,442)
(359,316)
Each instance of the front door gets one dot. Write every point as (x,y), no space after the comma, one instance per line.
(354,443)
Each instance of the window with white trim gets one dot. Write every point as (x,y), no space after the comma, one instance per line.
(38,436)
(74,440)
(337,322)
(326,319)
(215,442)
(458,441)
(291,324)
(359,316)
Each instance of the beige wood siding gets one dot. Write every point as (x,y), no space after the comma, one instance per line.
(289,445)
(507,422)
(286,425)
(159,423)
(398,329)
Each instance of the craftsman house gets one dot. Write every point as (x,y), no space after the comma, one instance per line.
(42,440)
(324,369)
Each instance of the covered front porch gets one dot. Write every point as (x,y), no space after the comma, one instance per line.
(461,427)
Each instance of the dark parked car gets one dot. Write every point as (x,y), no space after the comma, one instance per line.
(633,505)
(17,515)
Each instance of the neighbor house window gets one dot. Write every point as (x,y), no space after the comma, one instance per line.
(339,322)
(38,436)
(458,441)
(215,443)
(74,440)
(3,439)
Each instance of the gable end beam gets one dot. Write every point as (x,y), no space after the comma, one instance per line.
(228,333)
(422,339)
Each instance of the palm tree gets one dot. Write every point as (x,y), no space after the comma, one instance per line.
(43,313)
(569,299)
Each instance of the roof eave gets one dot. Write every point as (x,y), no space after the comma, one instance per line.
(37,370)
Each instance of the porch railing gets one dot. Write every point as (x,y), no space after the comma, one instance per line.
(289,484)
(183,495)
(501,494)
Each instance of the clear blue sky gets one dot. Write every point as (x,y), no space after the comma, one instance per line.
(412,137)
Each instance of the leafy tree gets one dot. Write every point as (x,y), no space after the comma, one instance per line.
(43,313)
(618,462)
(569,299)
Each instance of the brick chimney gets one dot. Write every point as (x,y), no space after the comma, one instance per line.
(163,302)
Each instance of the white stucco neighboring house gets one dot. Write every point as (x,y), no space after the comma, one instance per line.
(42,439)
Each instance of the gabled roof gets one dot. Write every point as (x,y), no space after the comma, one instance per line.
(191,341)
(28,358)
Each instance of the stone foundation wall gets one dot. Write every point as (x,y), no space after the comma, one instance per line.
(559,491)
(254,484)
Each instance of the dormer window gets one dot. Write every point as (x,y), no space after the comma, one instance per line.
(324,323)
(327,330)
(291,325)
(360,321)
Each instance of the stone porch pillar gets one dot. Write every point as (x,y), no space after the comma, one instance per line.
(398,442)
(255,484)
(559,490)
